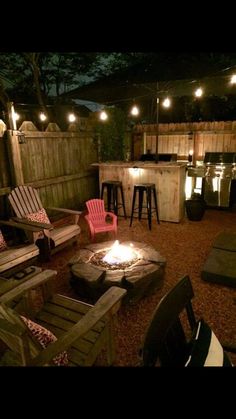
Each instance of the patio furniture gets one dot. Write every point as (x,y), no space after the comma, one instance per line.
(14,256)
(29,210)
(112,188)
(173,339)
(149,189)
(99,220)
(80,329)
(220,266)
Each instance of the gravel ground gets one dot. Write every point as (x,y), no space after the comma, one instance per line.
(185,246)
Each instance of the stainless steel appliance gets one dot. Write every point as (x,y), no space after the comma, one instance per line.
(220,170)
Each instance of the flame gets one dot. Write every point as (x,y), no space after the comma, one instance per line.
(119,254)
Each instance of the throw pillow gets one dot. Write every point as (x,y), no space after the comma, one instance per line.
(44,337)
(206,349)
(39,216)
(3,245)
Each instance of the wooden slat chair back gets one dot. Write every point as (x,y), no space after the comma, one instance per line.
(97,218)
(168,340)
(25,200)
(83,330)
(165,341)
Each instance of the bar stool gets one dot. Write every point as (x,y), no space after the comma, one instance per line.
(112,188)
(149,188)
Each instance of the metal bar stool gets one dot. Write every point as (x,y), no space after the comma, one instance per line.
(150,189)
(112,188)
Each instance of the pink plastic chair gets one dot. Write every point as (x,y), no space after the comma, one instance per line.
(97,218)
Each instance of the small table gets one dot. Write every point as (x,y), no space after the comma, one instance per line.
(7,282)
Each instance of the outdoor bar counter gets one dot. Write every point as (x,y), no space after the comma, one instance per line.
(169,178)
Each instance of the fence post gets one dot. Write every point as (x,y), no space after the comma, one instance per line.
(14,154)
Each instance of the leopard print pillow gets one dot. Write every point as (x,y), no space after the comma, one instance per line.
(44,337)
(39,216)
(3,245)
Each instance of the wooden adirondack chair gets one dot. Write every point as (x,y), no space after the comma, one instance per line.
(12,257)
(97,218)
(82,330)
(29,210)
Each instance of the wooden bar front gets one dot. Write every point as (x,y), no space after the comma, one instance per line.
(169,179)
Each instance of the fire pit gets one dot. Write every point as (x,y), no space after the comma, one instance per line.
(135,266)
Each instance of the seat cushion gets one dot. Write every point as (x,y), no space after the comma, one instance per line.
(39,216)
(220,267)
(226,241)
(3,244)
(44,337)
(206,350)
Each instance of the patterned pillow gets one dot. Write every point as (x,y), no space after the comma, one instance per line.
(39,216)
(3,245)
(44,337)
(206,349)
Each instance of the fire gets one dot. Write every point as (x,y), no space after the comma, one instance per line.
(119,254)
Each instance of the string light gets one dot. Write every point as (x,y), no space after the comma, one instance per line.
(103,116)
(198,92)
(134,111)
(233,79)
(166,102)
(42,116)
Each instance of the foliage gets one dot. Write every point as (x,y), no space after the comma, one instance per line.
(112,134)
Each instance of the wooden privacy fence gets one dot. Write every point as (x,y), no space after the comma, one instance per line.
(57,163)
(183,138)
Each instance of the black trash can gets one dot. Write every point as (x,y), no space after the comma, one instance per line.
(195,207)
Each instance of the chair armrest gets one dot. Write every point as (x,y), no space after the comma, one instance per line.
(65,210)
(13,329)
(33,282)
(111,214)
(40,226)
(108,304)
(20,225)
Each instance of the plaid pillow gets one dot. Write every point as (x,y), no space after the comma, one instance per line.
(44,337)
(3,245)
(39,216)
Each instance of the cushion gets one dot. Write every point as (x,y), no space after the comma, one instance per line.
(220,267)
(3,245)
(226,241)
(44,337)
(206,349)
(39,216)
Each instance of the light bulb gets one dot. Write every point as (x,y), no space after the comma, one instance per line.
(134,110)
(71,117)
(103,116)
(42,116)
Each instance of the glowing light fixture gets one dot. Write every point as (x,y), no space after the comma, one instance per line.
(233,79)
(103,116)
(134,111)
(198,92)
(16,116)
(166,102)
(42,116)
(71,117)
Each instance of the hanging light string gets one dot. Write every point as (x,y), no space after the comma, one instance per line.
(166,90)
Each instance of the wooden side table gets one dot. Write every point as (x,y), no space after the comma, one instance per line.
(8,283)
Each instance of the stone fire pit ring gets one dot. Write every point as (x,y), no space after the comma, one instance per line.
(141,278)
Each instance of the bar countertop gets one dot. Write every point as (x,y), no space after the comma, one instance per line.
(141,164)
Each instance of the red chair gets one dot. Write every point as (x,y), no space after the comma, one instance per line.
(98,219)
